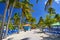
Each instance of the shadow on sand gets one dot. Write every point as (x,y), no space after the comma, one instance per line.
(10,38)
(40,31)
(25,39)
(51,37)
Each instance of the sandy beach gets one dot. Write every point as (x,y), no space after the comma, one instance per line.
(34,34)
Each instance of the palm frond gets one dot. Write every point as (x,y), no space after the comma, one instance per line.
(2,1)
(49,3)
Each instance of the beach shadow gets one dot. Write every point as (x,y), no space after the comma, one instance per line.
(38,32)
(10,38)
(51,38)
(25,39)
(47,38)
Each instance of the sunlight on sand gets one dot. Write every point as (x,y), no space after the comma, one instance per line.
(28,35)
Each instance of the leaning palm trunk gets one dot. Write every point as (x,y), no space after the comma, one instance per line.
(18,28)
(9,17)
(3,20)
(0,33)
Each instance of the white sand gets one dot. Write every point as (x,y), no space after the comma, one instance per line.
(30,35)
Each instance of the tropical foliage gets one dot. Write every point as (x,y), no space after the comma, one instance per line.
(48,3)
(57,18)
(33,22)
(16,19)
(26,9)
(11,27)
(41,22)
(51,11)
(48,21)
(50,18)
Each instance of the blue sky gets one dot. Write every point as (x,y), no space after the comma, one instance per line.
(38,8)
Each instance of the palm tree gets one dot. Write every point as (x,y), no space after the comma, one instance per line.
(41,23)
(10,3)
(33,22)
(11,27)
(16,19)
(22,5)
(48,4)
(2,1)
(27,17)
(10,13)
(48,21)
(26,8)
(1,25)
(3,20)
(14,4)
(8,6)
(57,18)
(51,11)
(49,18)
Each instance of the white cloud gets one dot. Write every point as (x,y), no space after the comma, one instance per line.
(46,1)
(57,1)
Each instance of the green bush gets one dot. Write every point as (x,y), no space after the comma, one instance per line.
(11,27)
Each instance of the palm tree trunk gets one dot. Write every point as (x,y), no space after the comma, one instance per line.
(18,28)
(3,20)
(23,15)
(49,28)
(7,23)
(0,33)
(9,17)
